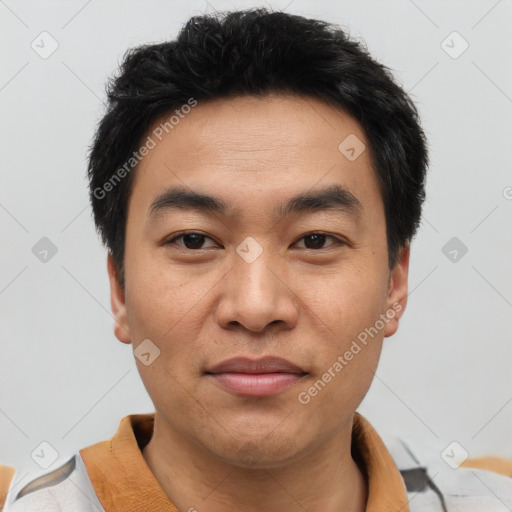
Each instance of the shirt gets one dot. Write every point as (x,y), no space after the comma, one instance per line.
(123,480)
(115,476)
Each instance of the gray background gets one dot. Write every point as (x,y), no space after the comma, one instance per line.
(66,380)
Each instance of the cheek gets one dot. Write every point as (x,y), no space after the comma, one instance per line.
(348,350)
(349,308)
(336,391)
(159,297)
(169,306)
(165,307)
(350,300)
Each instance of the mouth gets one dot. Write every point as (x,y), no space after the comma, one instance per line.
(256,378)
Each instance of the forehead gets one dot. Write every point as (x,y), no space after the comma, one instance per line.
(269,147)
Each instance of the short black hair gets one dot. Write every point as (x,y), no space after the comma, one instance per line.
(256,52)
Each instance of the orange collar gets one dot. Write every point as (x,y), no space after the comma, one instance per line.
(386,487)
(6,475)
(123,481)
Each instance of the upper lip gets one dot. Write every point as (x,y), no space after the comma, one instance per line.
(265,365)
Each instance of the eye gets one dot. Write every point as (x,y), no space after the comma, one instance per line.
(317,240)
(191,241)
(196,241)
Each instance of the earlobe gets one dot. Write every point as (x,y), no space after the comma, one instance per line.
(118,304)
(397,293)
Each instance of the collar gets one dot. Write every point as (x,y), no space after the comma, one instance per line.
(123,481)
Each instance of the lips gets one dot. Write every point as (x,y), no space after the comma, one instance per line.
(255,378)
(265,365)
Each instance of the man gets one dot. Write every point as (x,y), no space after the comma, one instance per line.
(258,182)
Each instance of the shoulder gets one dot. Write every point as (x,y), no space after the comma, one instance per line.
(499,465)
(66,488)
(436,480)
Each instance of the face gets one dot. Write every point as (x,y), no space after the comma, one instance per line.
(268,314)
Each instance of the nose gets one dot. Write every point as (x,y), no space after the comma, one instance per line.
(257,296)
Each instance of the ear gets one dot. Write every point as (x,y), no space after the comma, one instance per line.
(118,304)
(397,291)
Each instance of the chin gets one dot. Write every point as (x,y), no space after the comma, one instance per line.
(260,452)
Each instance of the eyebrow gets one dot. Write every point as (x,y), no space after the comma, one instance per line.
(331,198)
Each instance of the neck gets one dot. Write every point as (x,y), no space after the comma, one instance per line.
(194,479)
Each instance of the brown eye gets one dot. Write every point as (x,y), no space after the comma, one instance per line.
(192,241)
(317,241)
(314,241)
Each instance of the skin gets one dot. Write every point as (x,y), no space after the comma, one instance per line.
(213,450)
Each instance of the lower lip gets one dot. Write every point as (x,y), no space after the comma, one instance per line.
(256,384)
